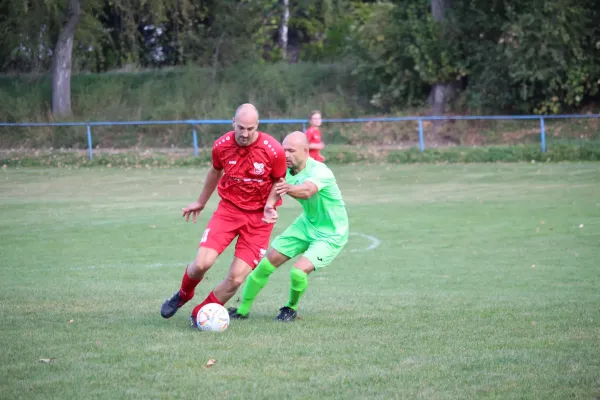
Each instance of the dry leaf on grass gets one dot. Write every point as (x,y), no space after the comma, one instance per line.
(210,363)
(47,360)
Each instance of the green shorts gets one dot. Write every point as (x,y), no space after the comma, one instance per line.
(298,239)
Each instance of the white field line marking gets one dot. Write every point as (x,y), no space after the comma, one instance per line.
(122,266)
(112,266)
(374,242)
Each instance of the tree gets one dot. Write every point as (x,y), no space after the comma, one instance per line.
(439,91)
(54,34)
(283,30)
(540,56)
(62,62)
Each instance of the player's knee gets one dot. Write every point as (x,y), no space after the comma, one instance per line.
(235,281)
(199,267)
(298,277)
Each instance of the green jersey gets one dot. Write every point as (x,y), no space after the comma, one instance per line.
(325,211)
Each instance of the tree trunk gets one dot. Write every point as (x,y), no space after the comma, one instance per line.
(283,29)
(440,91)
(61,62)
(215,66)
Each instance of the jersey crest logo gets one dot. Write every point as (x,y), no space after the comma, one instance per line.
(259,168)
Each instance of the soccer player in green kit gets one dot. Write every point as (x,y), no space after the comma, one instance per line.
(319,233)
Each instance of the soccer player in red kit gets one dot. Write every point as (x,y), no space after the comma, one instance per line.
(313,134)
(245,164)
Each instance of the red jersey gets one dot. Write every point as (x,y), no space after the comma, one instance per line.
(249,171)
(313,134)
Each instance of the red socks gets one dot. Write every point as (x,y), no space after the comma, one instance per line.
(211,298)
(186,292)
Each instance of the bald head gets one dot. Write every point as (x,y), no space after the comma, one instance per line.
(296,150)
(245,124)
(296,139)
(246,110)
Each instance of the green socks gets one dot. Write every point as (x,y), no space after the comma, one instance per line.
(298,285)
(258,279)
(254,284)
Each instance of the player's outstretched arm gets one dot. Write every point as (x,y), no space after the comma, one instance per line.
(302,191)
(210,184)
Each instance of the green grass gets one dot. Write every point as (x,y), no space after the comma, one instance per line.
(483,286)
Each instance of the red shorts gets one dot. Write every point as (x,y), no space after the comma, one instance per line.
(227,222)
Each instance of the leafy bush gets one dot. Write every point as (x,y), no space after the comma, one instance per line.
(514,56)
(497,154)
(278,90)
(334,154)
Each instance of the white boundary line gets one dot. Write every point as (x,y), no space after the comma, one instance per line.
(374,242)
(121,266)
(112,266)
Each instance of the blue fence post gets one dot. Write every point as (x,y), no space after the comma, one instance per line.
(89,135)
(195,141)
(421,141)
(543,135)
(304,127)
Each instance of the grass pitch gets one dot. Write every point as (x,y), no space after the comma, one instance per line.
(485,283)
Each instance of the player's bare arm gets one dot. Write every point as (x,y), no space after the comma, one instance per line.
(270,214)
(210,184)
(303,191)
(316,146)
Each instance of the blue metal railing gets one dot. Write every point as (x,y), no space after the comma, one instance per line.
(193,122)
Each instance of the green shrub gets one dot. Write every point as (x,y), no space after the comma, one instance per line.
(525,153)
(334,154)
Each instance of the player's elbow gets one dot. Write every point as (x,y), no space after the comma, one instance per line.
(303,195)
(215,172)
(308,193)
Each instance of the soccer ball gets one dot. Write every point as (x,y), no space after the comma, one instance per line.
(212,317)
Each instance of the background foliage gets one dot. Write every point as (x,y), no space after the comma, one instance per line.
(539,56)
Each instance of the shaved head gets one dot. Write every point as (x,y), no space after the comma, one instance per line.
(296,151)
(246,110)
(296,138)
(245,124)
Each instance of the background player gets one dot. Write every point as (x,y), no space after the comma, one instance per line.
(245,165)
(319,233)
(313,134)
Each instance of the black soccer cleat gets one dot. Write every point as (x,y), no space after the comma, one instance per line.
(193,322)
(286,314)
(233,314)
(171,305)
